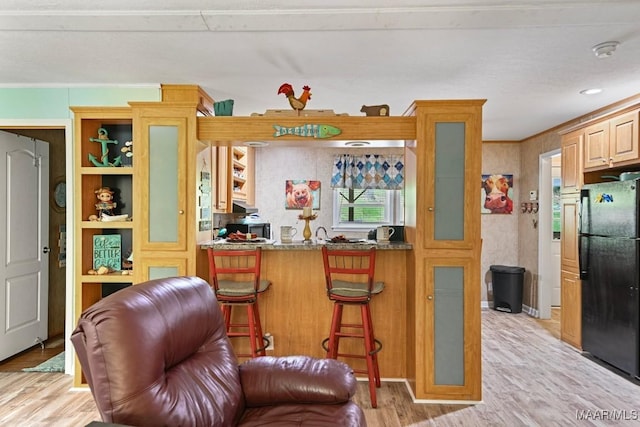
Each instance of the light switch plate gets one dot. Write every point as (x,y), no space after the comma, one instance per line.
(533,195)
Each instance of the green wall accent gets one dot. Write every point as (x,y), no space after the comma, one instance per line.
(54,103)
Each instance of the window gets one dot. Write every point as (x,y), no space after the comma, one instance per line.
(358,209)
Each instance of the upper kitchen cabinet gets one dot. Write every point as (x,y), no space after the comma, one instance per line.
(167,185)
(572,161)
(612,143)
(235,174)
(239,173)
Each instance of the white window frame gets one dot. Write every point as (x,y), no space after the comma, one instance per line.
(393,210)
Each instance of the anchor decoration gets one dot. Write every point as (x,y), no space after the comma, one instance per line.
(103,139)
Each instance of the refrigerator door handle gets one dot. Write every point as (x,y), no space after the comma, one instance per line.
(584,196)
(583,257)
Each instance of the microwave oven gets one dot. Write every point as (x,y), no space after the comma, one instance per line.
(259,229)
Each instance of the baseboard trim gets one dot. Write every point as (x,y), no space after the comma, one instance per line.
(440,402)
(533,312)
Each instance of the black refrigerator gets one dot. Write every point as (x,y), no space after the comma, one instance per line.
(609,257)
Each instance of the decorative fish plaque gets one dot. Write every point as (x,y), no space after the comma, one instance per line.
(314,131)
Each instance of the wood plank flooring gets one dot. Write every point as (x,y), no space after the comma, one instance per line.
(33,356)
(530,378)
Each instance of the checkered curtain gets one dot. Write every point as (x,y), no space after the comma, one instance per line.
(385,172)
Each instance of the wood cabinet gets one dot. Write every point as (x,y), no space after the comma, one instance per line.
(570,292)
(612,143)
(570,206)
(100,134)
(572,144)
(571,313)
(586,152)
(222,202)
(239,173)
(444,300)
(167,186)
(235,176)
(188,93)
(160,188)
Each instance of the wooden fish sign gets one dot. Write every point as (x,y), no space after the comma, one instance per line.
(312,130)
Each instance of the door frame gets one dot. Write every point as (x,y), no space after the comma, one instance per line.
(545,199)
(67,126)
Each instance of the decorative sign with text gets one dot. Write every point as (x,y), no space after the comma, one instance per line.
(107,251)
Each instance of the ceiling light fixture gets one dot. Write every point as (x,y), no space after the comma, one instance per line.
(256,143)
(591,91)
(605,50)
(356,143)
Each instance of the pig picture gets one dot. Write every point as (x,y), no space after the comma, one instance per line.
(497,194)
(302,193)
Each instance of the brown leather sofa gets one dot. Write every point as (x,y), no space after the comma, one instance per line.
(157,354)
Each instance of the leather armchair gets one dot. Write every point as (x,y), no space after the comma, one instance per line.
(157,354)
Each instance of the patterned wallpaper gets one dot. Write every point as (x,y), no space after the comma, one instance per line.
(513,239)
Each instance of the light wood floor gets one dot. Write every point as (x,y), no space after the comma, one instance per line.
(33,356)
(530,378)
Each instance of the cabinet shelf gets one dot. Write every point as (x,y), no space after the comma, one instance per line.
(92,170)
(107,278)
(107,225)
(239,152)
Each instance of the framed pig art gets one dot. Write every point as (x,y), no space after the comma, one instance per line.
(301,193)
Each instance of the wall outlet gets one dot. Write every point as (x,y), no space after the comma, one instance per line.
(269,338)
(533,195)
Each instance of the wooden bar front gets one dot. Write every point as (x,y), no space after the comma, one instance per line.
(297,312)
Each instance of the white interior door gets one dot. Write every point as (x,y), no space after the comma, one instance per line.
(24,217)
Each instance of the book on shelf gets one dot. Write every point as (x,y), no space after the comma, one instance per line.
(107,251)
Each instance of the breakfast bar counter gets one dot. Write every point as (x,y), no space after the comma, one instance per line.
(296,311)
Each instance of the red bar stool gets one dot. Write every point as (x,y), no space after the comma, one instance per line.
(235,278)
(349,279)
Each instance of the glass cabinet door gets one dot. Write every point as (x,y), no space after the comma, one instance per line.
(163,174)
(449,203)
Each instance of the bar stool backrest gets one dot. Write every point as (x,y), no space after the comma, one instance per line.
(349,265)
(234,265)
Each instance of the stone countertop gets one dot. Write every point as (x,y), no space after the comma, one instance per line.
(299,245)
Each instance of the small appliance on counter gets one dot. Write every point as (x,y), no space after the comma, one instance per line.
(396,236)
(260,229)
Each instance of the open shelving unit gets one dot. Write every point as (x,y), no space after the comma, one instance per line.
(239,172)
(117,121)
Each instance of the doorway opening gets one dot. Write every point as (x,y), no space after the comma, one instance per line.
(58,134)
(549,235)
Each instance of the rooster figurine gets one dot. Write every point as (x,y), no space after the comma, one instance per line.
(297,104)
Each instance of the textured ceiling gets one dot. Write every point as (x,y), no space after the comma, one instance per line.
(529,59)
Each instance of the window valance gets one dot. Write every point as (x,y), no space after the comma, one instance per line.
(379,171)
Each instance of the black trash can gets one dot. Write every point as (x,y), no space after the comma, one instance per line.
(507,288)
